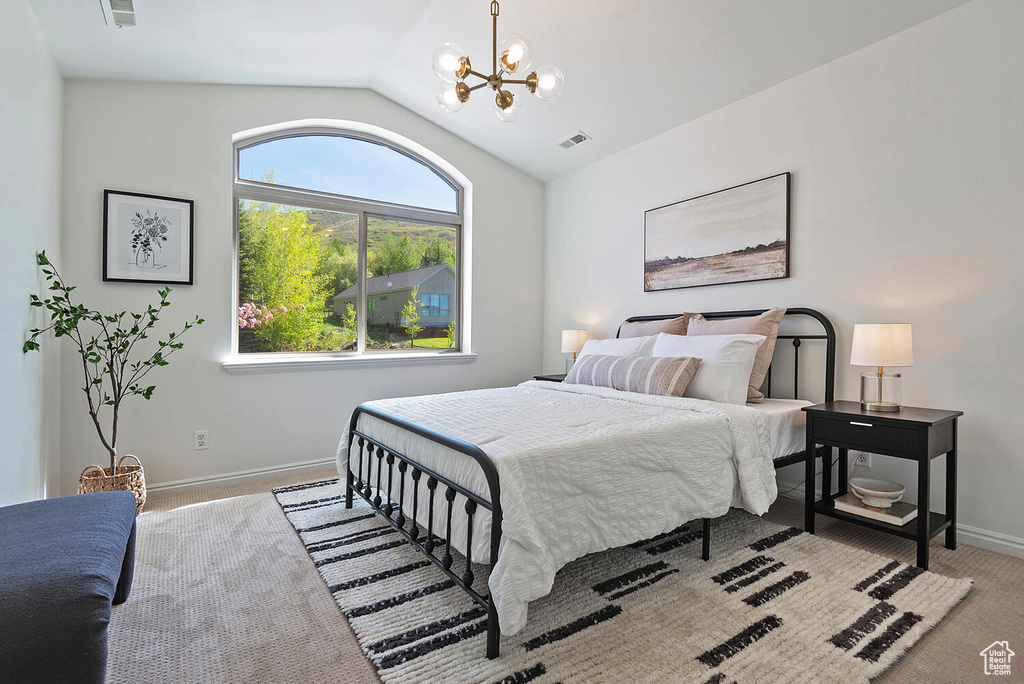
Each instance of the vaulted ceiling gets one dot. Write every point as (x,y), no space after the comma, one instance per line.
(633,68)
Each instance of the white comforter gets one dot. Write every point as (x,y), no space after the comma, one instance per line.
(582,469)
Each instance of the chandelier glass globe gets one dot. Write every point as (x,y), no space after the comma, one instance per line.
(447,61)
(550,82)
(510,113)
(515,53)
(448,98)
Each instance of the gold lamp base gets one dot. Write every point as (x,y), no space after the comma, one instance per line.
(879,406)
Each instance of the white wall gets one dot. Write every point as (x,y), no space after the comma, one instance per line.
(30,151)
(175,140)
(907,206)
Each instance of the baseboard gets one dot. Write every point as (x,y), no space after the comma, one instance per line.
(993,541)
(241,476)
(972,536)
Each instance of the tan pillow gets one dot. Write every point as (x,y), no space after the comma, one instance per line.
(664,376)
(766,324)
(673,326)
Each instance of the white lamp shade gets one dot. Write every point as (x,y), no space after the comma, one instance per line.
(882,344)
(573,341)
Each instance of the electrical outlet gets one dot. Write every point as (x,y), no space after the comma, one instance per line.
(863,460)
(200,440)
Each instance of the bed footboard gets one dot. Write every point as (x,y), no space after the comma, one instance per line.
(382,474)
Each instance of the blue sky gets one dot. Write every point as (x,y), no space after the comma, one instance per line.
(347,166)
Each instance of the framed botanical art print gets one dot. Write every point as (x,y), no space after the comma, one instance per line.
(147,238)
(729,236)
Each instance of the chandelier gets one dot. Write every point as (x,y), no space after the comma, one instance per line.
(513,55)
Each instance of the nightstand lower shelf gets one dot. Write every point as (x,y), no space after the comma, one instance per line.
(937,522)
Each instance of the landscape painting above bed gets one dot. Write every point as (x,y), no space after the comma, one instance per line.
(735,235)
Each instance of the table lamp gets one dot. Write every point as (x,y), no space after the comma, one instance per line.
(880,345)
(573,341)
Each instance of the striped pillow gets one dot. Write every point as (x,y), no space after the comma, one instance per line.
(665,376)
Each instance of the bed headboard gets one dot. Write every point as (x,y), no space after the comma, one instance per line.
(797,339)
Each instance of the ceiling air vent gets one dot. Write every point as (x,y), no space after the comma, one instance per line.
(120,13)
(574,140)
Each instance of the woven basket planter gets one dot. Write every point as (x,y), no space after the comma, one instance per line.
(129,478)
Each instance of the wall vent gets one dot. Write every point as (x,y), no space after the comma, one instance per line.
(574,140)
(124,19)
(120,13)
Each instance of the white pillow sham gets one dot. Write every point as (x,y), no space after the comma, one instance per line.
(615,346)
(725,370)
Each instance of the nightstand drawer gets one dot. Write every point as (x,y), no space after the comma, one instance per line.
(865,435)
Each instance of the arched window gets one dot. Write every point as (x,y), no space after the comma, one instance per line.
(346,242)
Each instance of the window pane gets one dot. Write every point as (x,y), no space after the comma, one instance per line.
(412,270)
(294,266)
(347,166)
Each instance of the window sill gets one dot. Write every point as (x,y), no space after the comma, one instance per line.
(258,364)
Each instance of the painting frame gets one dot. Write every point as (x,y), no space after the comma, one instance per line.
(783,262)
(176,228)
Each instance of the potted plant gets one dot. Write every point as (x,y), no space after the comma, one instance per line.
(113,366)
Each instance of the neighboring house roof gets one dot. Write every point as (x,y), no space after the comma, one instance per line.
(404,280)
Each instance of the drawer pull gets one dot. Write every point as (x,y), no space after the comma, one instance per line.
(853,422)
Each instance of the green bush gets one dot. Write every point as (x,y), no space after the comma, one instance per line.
(282,267)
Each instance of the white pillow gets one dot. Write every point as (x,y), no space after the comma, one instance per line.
(648,346)
(725,370)
(615,346)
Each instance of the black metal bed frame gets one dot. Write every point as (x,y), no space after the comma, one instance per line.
(376,483)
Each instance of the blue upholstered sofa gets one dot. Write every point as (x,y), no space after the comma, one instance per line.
(63,563)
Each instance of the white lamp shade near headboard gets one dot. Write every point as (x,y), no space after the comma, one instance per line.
(573,341)
(882,344)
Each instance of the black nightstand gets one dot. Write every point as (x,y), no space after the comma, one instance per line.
(554,377)
(917,434)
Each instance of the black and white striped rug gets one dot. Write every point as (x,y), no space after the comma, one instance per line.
(772,605)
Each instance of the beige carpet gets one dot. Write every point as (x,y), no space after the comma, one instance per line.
(224,592)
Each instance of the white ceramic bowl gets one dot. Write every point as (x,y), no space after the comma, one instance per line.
(877,493)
